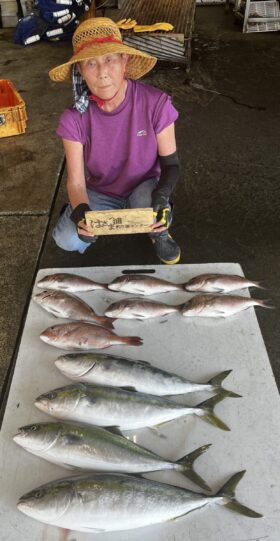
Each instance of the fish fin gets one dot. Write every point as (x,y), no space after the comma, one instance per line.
(144,363)
(217,380)
(260,284)
(55,312)
(186,466)
(138,316)
(159,425)
(73,439)
(128,388)
(219,289)
(228,493)
(220,313)
(107,322)
(194,287)
(266,303)
(114,430)
(70,466)
(132,340)
(140,291)
(208,410)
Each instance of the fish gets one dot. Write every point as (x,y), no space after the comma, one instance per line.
(69,282)
(115,371)
(67,306)
(143,285)
(98,449)
(96,502)
(220,283)
(219,305)
(126,409)
(81,335)
(139,309)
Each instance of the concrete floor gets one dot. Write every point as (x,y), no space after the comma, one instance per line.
(227,201)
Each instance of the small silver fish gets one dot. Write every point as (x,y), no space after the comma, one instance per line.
(80,335)
(219,305)
(97,449)
(69,282)
(220,283)
(98,503)
(101,369)
(143,285)
(65,305)
(110,406)
(139,309)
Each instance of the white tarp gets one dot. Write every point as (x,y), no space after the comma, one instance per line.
(195,348)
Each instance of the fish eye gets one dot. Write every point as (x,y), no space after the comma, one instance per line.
(38,494)
(33,427)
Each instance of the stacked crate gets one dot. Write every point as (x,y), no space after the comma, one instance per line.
(9,9)
(12,110)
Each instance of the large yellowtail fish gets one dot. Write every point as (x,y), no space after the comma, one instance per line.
(107,502)
(110,406)
(115,371)
(97,449)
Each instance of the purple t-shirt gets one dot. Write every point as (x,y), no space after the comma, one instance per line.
(120,147)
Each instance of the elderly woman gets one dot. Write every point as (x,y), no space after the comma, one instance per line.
(119,138)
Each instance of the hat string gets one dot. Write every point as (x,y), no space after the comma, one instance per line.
(107,39)
(100,101)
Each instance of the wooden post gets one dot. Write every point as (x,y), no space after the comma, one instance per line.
(88,14)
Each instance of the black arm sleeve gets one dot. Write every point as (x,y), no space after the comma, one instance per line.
(170,169)
(79,212)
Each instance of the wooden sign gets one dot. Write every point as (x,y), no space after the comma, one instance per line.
(120,222)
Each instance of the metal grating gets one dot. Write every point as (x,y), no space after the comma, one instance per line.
(264,10)
(173,45)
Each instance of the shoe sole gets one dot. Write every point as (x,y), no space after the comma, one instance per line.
(172,261)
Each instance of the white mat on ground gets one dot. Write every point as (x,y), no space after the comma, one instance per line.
(192,347)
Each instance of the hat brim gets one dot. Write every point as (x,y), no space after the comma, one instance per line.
(139,64)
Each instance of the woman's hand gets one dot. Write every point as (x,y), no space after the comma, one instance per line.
(162,219)
(158,225)
(78,217)
(84,232)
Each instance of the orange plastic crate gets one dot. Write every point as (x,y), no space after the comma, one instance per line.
(12,110)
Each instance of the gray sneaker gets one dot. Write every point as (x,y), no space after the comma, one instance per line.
(167,250)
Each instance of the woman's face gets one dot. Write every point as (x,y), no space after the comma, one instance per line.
(104,74)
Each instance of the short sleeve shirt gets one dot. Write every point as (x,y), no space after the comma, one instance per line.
(120,147)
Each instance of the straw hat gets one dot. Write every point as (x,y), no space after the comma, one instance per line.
(99,36)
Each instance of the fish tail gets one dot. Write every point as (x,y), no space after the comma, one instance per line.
(227,492)
(132,340)
(216,383)
(106,322)
(208,410)
(260,284)
(265,303)
(185,465)
(181,287)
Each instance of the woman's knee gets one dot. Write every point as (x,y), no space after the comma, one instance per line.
(141,196)
(66,237)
